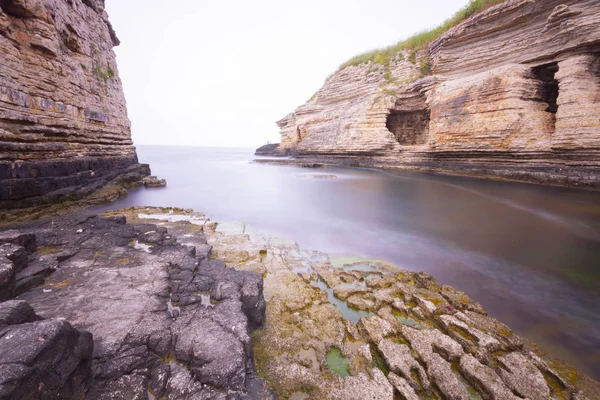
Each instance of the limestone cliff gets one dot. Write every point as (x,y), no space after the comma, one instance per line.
(513,91)
(64,130)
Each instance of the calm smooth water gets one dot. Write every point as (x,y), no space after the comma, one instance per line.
(529,254)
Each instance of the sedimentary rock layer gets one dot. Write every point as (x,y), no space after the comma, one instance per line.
(513,91)
(64,130)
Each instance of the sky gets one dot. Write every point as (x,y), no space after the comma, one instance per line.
(222,73)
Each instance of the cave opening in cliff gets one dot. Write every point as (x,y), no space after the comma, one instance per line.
(409,127)
(546,75)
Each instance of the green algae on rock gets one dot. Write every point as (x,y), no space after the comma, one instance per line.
(336,362)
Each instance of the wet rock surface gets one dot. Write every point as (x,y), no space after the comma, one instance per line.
(412,338)
(167,320)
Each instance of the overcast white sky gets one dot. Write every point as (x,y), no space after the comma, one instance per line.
(221,73)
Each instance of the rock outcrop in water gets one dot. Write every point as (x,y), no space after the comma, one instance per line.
(167,319)
(64,130)
(512,92)
(271,149)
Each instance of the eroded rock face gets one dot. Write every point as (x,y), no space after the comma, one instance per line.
(518,81)
(64,130)
(166,319)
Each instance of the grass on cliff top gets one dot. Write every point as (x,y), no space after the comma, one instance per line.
(418,41)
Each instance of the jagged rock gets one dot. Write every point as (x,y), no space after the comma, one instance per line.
(470,338)
(440,372)
(428,343)
(517,81)
(13,258)
(522,377)
(484,378)
(343,293)
(153,307)
(360,303)
(41,359)
(64,130)
(15,254)
(401,385)
(460,300)
(26,240)
(400,360)
(374,328)
(364,387)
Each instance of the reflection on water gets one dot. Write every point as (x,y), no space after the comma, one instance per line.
(529,254)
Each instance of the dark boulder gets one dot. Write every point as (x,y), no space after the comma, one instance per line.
(271,149)
(41,359)
(26,240)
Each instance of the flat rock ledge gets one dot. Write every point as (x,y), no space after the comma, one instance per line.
(110,310)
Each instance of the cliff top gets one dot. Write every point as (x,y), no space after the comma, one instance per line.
(421,39)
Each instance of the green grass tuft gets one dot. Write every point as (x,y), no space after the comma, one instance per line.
(104,75)
(420,40)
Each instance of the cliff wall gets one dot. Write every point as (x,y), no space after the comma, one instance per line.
(64,130)
(511,92)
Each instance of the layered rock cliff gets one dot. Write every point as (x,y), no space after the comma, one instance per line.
(512,92)
(64,130)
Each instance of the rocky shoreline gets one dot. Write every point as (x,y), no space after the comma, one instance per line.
(547,176)
(153,302)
